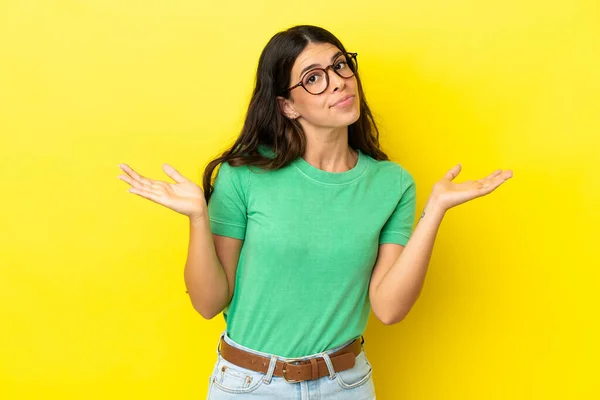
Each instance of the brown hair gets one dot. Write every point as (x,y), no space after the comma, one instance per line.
(265,125)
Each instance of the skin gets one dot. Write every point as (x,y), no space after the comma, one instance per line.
(325,127)
(399,272)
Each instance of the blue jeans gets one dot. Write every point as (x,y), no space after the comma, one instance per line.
(234,382)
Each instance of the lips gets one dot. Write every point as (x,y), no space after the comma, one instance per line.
(342,99)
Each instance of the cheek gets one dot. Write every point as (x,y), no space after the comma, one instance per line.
(311,105)
(353,85)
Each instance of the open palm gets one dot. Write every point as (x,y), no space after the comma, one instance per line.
(448,194)
(183,196)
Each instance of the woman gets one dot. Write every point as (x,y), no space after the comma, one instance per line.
(306,229)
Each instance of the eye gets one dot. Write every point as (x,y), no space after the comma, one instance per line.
(341,65)
(311,79)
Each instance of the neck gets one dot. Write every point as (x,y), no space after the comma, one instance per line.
(329,151)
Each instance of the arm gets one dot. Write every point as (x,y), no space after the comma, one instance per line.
(216,239)
(211,260)
(399,272)
(210,268)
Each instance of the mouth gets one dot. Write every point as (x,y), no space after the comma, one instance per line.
(344,101)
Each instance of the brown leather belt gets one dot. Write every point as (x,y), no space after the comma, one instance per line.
(297,370)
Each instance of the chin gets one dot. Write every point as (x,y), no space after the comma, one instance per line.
(341,121)
(352,117)
(347,120)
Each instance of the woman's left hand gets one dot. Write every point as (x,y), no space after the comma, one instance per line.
(447,194)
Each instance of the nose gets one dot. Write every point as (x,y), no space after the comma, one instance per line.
(336,81)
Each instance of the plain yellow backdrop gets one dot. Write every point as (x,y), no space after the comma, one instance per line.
(92,298)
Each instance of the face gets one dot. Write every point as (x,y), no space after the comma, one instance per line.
(338,106)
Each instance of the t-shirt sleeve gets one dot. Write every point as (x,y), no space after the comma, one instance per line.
(227,206)
(399,226)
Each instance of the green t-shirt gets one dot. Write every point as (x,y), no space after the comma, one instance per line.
(311,239)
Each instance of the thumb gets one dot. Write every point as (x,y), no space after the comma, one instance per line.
(453,173)
(173,173)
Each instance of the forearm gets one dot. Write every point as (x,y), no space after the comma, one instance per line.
(205,278)
(401,286)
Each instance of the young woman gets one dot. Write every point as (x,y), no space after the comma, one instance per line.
(306,229)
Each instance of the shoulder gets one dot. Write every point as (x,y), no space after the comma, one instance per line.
(236,176)
(225,168)
(242,175)
(391,172)
(265,150)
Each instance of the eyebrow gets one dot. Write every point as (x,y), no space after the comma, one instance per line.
(311,66)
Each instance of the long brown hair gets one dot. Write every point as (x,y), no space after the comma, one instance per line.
(265,124)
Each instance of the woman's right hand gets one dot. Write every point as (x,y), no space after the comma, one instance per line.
(183,196)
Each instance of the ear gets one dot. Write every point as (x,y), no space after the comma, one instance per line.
(285,105)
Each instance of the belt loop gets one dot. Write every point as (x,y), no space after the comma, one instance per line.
(219,343)
(329,365)
(271,370)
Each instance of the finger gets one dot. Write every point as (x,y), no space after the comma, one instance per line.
(453,173)
(160,186)
(131,181)
(490,186)
(174,174)
(492,175)
(501,177)
(129,171)
(147,194)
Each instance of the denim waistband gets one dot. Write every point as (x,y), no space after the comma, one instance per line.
(230,341)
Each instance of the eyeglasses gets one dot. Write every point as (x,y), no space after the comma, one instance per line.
(316,81)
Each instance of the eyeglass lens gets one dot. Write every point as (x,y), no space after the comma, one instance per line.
(316,80)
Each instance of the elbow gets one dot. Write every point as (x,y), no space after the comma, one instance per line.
(207,311)
(393,315)
(389,318)
(208,306)
(207,315)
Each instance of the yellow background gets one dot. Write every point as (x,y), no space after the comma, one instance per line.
(93,303)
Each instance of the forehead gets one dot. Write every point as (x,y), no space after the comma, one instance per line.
(315,53)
